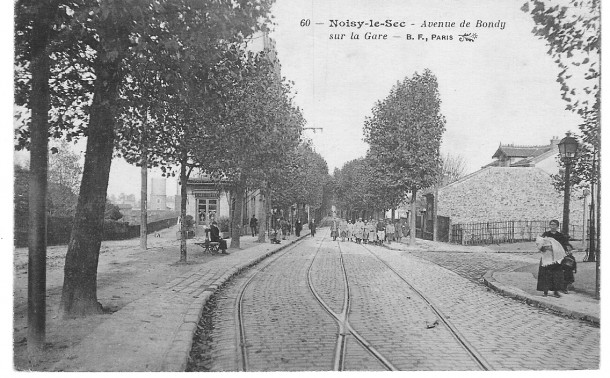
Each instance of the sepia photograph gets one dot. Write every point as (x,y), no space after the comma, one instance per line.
(304,186)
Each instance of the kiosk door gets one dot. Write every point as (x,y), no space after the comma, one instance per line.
(206,210)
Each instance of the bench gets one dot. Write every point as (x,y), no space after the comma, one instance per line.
(208,246)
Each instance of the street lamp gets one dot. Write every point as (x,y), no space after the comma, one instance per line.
(568,147)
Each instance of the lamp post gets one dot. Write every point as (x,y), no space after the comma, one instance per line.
(585,194)
(567,150)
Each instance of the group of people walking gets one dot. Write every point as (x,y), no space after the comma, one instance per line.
(557,264)
(369,231)
(284,228)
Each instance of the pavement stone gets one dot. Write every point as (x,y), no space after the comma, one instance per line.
(509,274)
(154,333)
(285,328)
(384,309)
(519,285)
(509,334)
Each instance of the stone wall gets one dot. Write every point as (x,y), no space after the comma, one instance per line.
(502,194)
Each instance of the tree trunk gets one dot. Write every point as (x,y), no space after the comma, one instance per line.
(236,216)
(79,295)
(598,220)
(412,220)
(39,152)
(269,216)
(435,214)
(144,202)
(183,229)
(593,246)
(262,217)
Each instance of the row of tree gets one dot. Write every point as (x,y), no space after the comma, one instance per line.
(162,83)
(404,134)
(360,193)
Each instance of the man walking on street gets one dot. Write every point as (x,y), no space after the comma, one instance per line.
(389,232)
(312,227)
(254,225)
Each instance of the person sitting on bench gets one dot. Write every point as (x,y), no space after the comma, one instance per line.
(274,239)
(215,237)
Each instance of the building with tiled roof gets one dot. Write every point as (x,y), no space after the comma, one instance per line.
(516,186)
(495,194)
(509,155)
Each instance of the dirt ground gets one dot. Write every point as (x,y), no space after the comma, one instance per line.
(125,273)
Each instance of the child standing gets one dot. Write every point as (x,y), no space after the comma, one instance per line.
(568,264)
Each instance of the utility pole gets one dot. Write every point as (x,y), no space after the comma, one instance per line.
(144,202)
(568,148)
(39,158)
(585,194)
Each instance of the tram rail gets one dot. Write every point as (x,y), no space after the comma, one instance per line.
(471,350)
(239,318)
(342,320)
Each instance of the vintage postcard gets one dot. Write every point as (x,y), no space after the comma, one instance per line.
(306,185)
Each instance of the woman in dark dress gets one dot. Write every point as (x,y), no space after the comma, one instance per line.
(298,226)
(550,277)
(555,234)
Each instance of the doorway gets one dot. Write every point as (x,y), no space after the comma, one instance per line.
(206,210)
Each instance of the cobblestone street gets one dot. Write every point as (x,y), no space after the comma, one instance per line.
(405,310)
(474,265)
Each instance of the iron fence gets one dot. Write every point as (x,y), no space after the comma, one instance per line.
(60,228)
(505,232)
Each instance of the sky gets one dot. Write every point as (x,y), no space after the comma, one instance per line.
(501,88)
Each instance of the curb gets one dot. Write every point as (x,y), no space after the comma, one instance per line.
(508,291)
(177,355)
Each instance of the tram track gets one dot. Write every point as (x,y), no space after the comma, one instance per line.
(322,305)
(342,319)
(345,329)
(472,352)
(242,355)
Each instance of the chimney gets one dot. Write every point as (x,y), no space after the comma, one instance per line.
(554,141)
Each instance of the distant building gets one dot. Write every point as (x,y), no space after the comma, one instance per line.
(543,157)
(158,196)
(129,199)
(205,202)
(127,211)
(517,185)
(505,193)
(170,202)
(259,42)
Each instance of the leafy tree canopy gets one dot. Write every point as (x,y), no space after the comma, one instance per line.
(404,133)
(572,30)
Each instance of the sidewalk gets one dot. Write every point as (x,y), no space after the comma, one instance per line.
(155,332)
(521,283)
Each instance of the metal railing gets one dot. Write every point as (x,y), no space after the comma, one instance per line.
(505,232)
